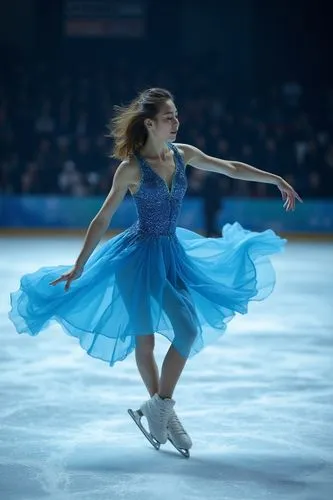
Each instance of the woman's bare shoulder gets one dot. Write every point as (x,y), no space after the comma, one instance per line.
(128,172)
(186,150)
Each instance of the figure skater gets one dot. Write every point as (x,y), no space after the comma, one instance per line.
(154,276)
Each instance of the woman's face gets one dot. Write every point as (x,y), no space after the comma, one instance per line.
(165,124)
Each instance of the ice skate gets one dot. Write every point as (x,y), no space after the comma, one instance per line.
(157,412)
(178,436)
(137,415)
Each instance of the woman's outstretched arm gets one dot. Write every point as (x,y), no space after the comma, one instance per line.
(239,170)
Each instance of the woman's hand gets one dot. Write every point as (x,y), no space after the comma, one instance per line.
(289,195)
(72,275)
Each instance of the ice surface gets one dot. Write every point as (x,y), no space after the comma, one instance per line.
(258,404)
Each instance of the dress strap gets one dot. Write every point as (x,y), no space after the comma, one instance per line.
(177,153)
(139,159)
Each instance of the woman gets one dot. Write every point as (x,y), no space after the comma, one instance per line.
(154,277)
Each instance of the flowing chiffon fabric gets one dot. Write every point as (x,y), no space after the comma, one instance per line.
(153,277)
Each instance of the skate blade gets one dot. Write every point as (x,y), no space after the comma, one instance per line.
(136,416)
(182,451)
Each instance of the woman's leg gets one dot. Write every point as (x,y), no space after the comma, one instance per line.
(145,360)
(172,368)
(181,312)
(144,348)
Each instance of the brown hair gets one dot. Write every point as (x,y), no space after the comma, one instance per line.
(127,127)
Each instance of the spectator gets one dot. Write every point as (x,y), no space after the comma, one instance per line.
(282,129)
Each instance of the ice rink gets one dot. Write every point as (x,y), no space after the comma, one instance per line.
(258,404)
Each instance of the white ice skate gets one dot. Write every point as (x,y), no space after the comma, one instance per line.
(137,415)
(178,436)
(157,412)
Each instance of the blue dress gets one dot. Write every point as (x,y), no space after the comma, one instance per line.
(152,277)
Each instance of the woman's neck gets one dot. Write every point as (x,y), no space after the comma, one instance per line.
(154,149)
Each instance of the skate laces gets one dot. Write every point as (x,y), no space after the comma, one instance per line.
(164,412)
(176,425)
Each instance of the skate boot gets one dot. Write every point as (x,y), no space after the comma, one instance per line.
(178,436)
(157,412)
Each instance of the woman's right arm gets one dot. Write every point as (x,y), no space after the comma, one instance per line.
(124,177)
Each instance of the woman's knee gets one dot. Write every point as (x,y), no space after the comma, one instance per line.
(186,337)
(145,344)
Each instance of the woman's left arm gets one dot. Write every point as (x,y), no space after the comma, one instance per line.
(239,170)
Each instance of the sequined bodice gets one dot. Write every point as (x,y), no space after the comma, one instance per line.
(157,206)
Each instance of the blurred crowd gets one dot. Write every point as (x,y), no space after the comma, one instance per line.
(53,134)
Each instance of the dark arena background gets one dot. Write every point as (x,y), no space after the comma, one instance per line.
(253,82)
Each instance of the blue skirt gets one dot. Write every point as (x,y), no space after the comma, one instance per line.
(185,287)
